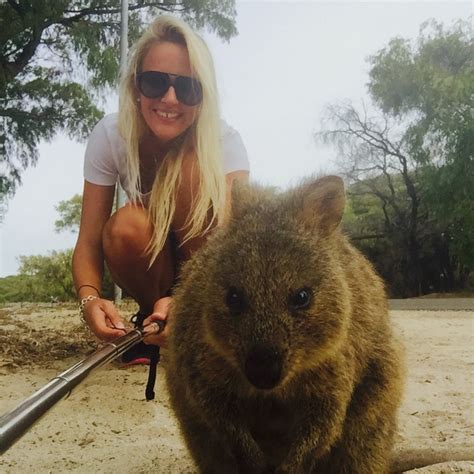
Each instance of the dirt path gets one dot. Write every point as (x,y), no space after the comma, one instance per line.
(106,426)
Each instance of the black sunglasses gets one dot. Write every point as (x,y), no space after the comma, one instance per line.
(155,84)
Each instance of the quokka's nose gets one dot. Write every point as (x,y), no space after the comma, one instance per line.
(263,367)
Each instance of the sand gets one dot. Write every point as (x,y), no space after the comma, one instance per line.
(106,426)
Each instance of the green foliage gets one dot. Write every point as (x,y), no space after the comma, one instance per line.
(432,76)
(363,217)
(70,214)
(45,278)
(434,82)
(14,289)
(41,278)
(59,58)
(48,276)
(410,162)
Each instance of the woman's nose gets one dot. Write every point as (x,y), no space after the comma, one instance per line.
(170,96)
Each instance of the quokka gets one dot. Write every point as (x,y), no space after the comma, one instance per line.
(281,354)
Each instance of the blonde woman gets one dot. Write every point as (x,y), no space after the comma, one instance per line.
(176,161)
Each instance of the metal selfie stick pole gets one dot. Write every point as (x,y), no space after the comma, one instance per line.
(16,423)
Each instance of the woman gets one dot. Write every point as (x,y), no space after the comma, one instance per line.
(176,161)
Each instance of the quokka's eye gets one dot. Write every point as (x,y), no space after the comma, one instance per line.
(235,300)
(300,299)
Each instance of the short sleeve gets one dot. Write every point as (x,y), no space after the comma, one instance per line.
(99,166)
(234,153)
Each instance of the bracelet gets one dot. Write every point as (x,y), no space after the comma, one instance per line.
(89,286)
(83,303)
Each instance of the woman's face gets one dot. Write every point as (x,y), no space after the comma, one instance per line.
(166,117)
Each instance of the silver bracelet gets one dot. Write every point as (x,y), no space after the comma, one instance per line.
(83,303)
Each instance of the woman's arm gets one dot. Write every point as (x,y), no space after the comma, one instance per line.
(88,260)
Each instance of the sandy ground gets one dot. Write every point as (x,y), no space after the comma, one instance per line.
(106,425)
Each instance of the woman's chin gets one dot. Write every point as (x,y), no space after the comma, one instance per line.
(166,133)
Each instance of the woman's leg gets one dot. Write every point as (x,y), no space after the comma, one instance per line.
(125,239)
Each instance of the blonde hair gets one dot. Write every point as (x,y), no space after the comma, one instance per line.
(203,137)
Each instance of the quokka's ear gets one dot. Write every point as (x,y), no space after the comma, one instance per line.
(322,204)
(239,192)
(239,189)
(244,196)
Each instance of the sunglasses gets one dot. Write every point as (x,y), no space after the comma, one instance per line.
(155,84)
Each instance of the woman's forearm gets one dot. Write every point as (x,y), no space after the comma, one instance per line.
(87,269)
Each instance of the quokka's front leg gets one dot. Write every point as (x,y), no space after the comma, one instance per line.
(366,442)
(218,444)
(315,430)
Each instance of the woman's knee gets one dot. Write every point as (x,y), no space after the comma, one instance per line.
(127,232)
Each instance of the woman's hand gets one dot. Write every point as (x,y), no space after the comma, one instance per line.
(103,319)
(161,312)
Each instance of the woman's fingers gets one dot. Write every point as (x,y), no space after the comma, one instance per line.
(163,305)
(157,339)
(104,320)
(114,320)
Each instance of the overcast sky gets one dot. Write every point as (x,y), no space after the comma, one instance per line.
(288,61)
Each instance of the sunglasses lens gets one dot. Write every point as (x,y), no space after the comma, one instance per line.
(188,90)
(153,84)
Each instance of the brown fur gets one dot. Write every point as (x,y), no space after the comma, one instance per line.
(330,401)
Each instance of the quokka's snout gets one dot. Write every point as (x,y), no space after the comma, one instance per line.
(264,366)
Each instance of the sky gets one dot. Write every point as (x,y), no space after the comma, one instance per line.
(289,60)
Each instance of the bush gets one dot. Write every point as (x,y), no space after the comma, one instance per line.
(47,277)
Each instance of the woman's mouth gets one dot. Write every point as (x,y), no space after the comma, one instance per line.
(166,115)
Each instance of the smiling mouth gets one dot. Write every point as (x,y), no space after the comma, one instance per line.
(166,115)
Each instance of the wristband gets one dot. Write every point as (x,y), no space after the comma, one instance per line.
(88,286)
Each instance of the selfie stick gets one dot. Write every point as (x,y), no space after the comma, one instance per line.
(14,424)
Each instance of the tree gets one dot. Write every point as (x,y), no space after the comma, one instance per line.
(432,82)
(70,214)
(48,276)
(58,59)
(375,159)
(413,155)
(14,288)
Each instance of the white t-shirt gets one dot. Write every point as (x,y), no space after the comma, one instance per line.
(105,158)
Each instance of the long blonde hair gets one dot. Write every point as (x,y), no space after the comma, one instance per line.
(203,137)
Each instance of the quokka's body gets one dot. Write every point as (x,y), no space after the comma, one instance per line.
(281,354)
